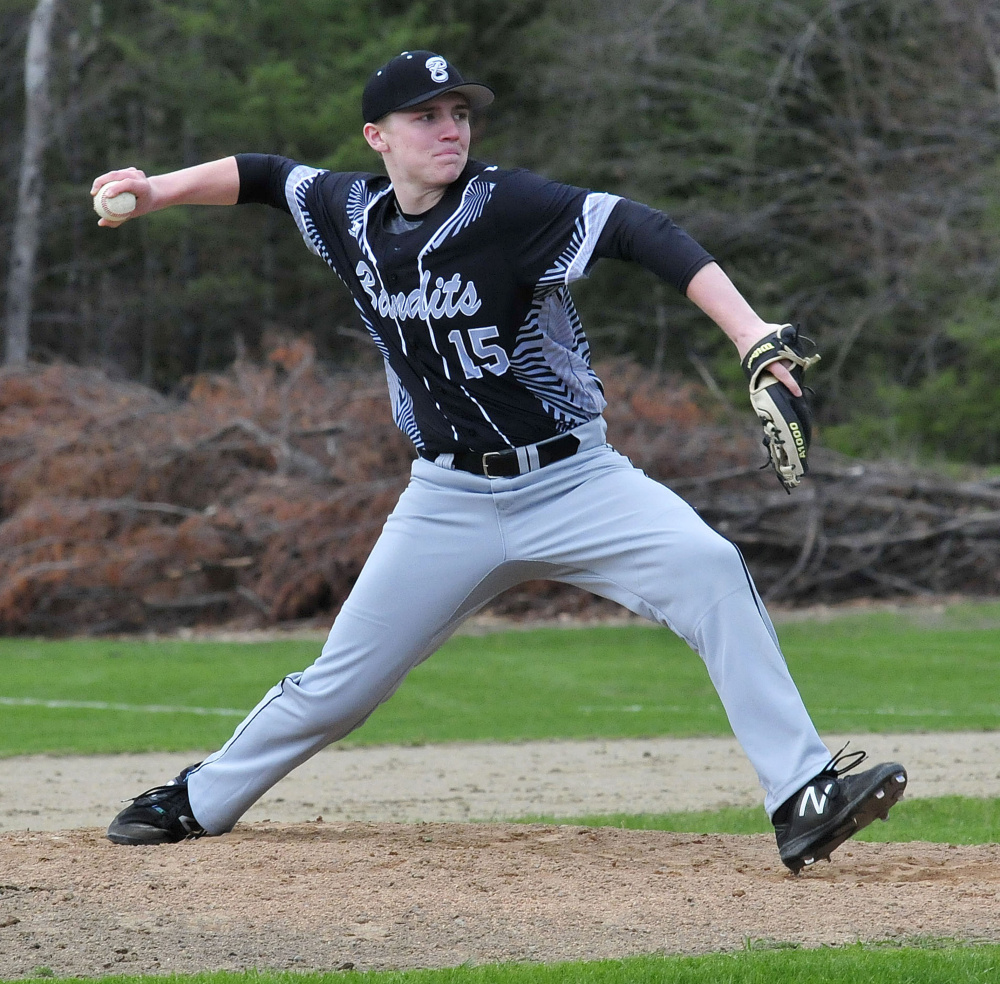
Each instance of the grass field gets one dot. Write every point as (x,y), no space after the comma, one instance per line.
(942,820)
(926,962)
(857,674)
(877,672)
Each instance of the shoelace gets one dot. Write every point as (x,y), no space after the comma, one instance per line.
(154,793)
(167,787)
(833,767)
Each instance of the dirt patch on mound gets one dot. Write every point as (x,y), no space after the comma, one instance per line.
(368,890)
(383,895)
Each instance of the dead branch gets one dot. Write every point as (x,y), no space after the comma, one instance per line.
(124,511)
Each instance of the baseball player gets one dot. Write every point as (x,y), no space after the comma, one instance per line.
(461,271)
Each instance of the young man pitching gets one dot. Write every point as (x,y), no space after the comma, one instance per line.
(461,271)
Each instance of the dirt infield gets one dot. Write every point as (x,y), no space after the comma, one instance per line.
(327,896)
(360,888)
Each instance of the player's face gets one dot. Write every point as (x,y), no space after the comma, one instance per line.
(428,144)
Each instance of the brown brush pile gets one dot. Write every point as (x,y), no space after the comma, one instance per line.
(254,500)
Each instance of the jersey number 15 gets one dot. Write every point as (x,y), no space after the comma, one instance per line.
(488,356)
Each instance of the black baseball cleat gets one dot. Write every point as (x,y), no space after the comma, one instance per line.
(161,815)
(833,807)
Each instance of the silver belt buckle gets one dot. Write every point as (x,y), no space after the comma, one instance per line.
(486,463)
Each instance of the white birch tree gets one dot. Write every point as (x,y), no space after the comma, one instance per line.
(27,222)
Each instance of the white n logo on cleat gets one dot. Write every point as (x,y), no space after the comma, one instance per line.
(818,802)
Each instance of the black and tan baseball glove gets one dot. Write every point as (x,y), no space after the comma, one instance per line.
(787,419)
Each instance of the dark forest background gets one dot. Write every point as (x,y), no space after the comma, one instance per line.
(839,158)
(193,427)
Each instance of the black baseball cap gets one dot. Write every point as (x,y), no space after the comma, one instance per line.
(414,77)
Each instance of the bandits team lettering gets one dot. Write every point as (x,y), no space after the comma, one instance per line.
(448,298)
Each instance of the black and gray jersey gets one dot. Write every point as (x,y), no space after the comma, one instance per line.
(469,303)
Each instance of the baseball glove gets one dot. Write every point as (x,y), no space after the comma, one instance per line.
(787,419)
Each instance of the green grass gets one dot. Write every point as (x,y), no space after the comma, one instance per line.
(942,820)
(859,673)
(862,673)
(761,962)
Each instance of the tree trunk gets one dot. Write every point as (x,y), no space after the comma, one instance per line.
(24,245)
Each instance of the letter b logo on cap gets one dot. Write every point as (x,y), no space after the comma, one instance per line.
(438,68)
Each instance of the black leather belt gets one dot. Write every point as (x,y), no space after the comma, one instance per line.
(517,461)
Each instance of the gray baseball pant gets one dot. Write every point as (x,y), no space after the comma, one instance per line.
(455,541)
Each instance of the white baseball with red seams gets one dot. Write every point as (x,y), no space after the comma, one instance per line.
(112,205)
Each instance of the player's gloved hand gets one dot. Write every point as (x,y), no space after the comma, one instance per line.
(787,419)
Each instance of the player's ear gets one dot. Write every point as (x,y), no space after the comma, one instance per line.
(375,137)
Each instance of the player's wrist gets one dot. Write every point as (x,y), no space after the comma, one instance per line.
(750,333)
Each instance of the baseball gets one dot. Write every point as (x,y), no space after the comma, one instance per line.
(111,205)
